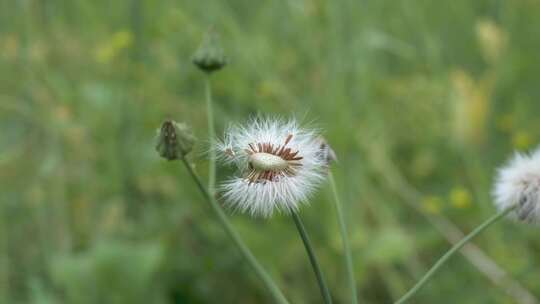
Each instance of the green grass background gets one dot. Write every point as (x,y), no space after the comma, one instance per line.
(421,100)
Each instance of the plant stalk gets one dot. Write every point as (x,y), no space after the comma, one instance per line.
(211,136)
(312,258)
(451,252)
(344,239)
(259,270)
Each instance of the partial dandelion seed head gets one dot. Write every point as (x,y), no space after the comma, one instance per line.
(279,166)
(518,183)
(328,153)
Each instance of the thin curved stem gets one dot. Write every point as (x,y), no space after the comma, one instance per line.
(259,270)
(344,238)
(211,136)
(451,252)
(312,258)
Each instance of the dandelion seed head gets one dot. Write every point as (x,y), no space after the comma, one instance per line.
(279,165)
(518,183)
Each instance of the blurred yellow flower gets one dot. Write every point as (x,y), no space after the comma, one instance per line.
(104,54)
(432,204)
(521,140)
(492,39)
(122,39)
(460,197)
(472,104)
(119,41)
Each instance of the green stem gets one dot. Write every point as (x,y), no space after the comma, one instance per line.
(345,239)
(452,251)
(311,254)
(211,136)
(259,270)
(5,284)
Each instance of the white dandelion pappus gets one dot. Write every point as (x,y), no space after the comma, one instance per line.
(280,165)
(518,183)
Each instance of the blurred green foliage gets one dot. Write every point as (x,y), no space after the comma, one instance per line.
(421,100)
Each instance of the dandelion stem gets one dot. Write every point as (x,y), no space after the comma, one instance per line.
(259,270)
(211,136)
(345,239)
(312,258)
(451,252)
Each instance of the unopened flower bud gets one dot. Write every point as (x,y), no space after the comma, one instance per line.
(210,56)
(175,140)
